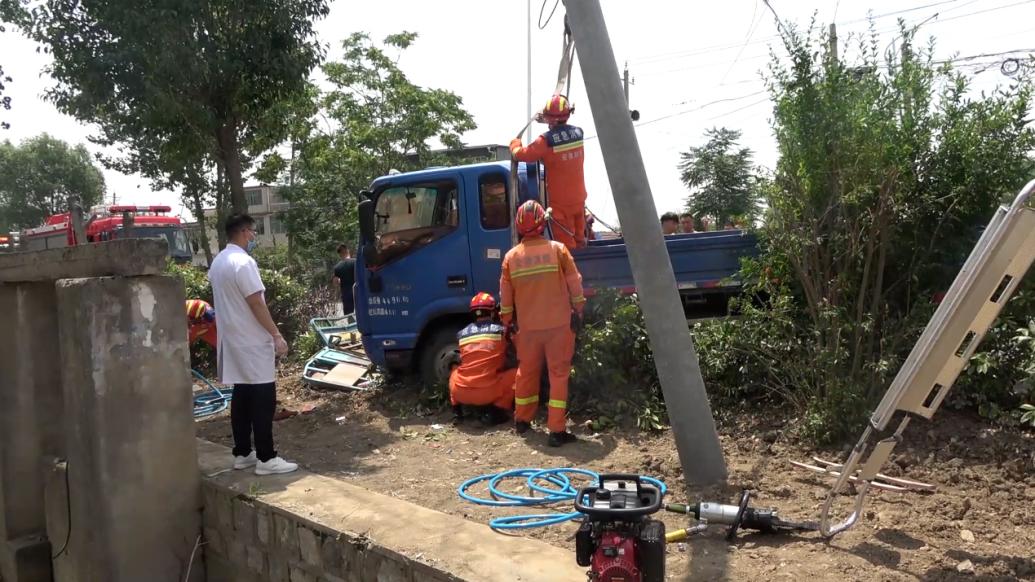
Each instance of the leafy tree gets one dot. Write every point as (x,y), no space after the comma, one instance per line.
(372,120)
(720,177)
(888,170)
(11,11)
(175,81)
(40,176)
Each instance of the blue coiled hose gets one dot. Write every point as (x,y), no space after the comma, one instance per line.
(212,401)
(553,485)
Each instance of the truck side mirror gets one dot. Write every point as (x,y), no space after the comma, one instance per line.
(365,195)
(365,210)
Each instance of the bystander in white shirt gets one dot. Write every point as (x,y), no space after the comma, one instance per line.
(245,354)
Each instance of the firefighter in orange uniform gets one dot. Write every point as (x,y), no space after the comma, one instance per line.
(560,149)
(483,377)
(541,282)
(202,321)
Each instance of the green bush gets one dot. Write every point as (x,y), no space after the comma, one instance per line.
(1001,374)
(291,302)
(613,376)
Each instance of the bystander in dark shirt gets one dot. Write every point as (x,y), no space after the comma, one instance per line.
(345,271)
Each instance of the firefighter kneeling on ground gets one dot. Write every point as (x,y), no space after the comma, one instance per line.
(541,282)
(201,319)
(483,377)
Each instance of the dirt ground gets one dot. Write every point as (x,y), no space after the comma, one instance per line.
(979,525)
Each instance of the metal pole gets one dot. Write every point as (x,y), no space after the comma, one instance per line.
(625,83)
(682,385)
(528,134)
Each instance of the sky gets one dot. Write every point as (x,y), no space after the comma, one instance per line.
(693,64)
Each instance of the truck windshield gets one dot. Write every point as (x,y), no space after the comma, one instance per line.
(177,239)
(408,217)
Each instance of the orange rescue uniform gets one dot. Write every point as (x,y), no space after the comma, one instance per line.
(201,322)
(480,378)
(541,281)
(561,151)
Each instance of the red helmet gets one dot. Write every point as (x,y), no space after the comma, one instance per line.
(530,218)
(557,109)
(483,302)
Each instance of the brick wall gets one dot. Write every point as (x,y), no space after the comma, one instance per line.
(248,540)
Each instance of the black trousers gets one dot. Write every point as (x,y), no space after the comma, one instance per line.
(251,412)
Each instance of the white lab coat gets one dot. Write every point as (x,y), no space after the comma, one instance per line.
(245,352)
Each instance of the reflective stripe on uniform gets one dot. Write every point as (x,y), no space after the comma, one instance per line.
(537,270)
(481,337)
(506,310)
(578,299)
(529,400)
(567,146)
(562,404)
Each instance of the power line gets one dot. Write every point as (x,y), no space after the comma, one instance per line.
(698,108)
(747,39)
(887,30)
(650,59)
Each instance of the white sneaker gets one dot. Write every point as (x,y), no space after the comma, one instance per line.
(245,462)
(274,466)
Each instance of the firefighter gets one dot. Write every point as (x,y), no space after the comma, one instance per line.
(540,281)
(483,377)
(202,321)
(560,149)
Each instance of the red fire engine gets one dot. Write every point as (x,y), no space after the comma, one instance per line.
(106,222)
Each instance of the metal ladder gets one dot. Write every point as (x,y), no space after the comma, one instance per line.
(983,286)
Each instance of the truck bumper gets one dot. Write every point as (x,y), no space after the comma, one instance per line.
(391,352)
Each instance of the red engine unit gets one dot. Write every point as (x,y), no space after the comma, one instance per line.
(615,559)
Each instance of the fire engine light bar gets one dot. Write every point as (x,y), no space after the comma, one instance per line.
(140,209)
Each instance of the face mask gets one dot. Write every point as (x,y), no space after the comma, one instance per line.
(251,246)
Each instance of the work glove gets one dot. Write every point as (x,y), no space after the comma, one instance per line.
(510,358)
(576,321)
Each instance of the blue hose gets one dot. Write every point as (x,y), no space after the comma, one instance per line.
(212,401)
(553,485)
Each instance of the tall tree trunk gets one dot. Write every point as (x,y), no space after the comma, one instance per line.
(230,160)
(220,206)
(291,188)
(199,216)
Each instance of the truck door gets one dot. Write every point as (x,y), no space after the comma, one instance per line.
(420,263)
(489,227)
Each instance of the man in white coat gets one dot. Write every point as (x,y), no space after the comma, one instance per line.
(248,344)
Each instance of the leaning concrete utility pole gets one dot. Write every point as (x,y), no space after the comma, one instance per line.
(681,383)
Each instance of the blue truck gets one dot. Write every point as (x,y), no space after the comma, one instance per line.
(430,239)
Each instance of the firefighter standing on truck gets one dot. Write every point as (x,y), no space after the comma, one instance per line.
(483,377)
(540,281)
(560,149)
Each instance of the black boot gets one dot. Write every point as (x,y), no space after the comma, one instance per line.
(493,416)
(458,413)
(559,438)
(522,427)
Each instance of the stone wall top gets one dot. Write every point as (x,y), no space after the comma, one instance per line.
(119,258)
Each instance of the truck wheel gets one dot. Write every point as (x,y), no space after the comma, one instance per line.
(436,355)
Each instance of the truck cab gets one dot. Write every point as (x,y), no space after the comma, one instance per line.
(433,238)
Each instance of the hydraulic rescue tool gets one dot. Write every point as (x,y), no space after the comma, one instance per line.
(740,516)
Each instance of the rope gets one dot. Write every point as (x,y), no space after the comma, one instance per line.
(552,485)
(542,9)
(602,223)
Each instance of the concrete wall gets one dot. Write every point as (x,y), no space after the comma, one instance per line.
(302,527)
(96,375)
(135,499)
(30,426)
